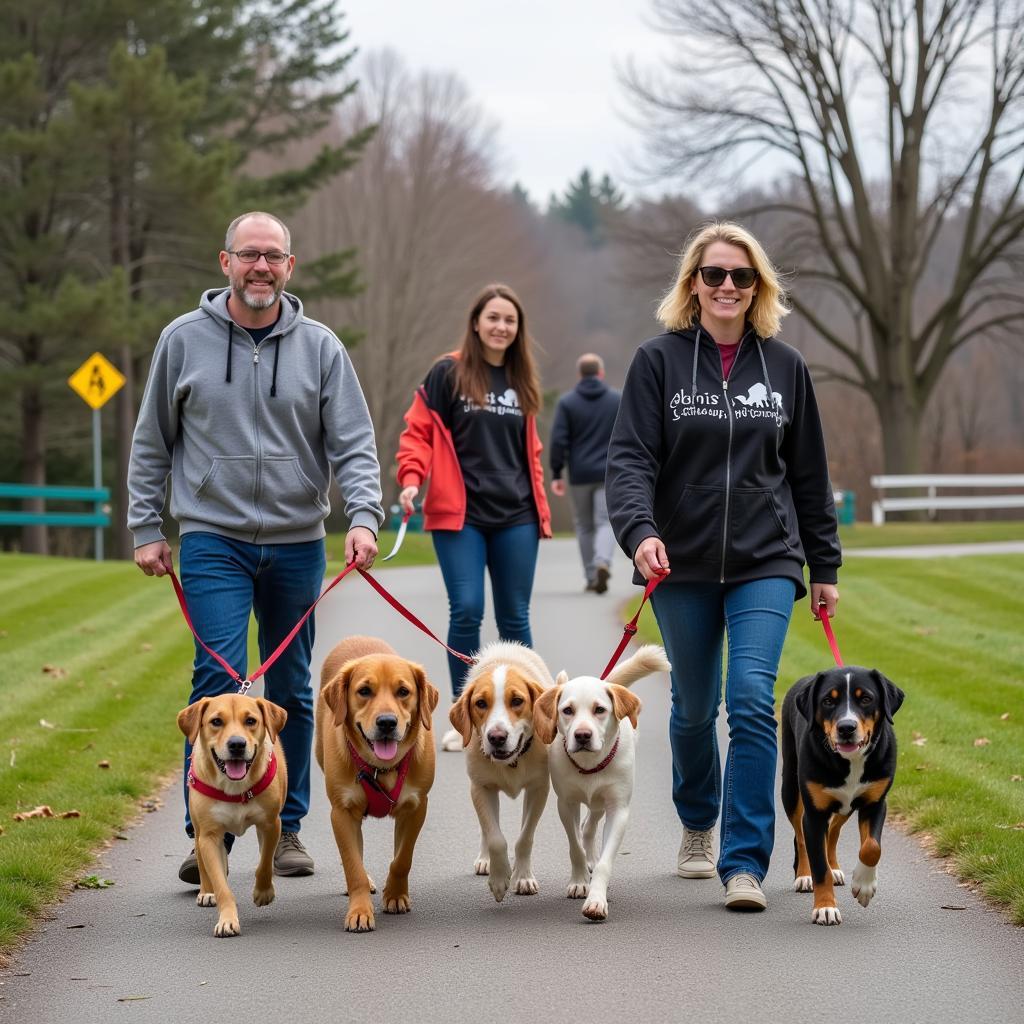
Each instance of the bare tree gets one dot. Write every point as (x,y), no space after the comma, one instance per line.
(902,122)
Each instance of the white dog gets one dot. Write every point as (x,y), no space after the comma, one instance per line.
(496,709)
(593,764)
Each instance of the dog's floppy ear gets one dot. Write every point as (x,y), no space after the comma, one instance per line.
(460,717)
(335,693)
(545,711)
(191,718)
(806,699)
(427,695)
(625,703)
(274,717)
(892,695)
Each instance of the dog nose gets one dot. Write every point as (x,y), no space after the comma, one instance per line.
(237,746)
(497,737)
(387,724)
(583,737)
(846,729)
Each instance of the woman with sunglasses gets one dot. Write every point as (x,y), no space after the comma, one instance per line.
(717,477)
(472,429)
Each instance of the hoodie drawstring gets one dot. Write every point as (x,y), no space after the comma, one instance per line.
(231,335)
(696,353)
(273,379)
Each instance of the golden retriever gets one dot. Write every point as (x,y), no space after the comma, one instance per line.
(373,744)
(232,785)
(496,709)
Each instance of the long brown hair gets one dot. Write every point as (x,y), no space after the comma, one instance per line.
(472,372)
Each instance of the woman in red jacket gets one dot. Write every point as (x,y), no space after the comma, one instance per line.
(472,429)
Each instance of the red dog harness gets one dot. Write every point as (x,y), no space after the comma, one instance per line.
(234,798)
(379,801)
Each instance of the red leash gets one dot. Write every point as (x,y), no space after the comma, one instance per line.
(829,635)
(244,684)
(629,630)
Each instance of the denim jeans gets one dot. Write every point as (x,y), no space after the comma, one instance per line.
(224,580)
(510,556)
(694,619)
(593,530)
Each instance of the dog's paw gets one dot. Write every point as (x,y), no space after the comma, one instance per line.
(263,897)
(397,904)
(596,908)
(865,884)
(360,919)
(576,890)
(525,885)
(803,883)
(826,915)
(206,899)
(838,878)
(482,866)
(498,884)
(227,927)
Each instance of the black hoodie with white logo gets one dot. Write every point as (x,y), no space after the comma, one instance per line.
(730,474)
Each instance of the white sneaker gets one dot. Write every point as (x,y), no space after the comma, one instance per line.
(743,892)
(452,741)
(696,859)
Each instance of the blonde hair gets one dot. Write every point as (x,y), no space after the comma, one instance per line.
(680,307)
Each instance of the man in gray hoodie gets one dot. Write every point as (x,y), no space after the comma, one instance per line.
(249,408)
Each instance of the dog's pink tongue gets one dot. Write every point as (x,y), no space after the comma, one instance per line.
(385,749)
(236,769)
(847,748)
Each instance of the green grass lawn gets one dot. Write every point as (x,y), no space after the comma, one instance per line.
(864,535)
(950,632)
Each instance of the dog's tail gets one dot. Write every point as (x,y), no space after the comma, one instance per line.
(649,658)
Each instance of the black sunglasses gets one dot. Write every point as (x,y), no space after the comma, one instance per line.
(742,277)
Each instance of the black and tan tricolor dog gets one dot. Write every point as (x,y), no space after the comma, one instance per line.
(838,756)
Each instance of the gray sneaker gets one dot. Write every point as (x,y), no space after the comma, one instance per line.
(696,858)
(743,892)
(290,858)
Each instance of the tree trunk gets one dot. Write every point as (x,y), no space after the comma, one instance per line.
(901,431)
(125,423)
(35,540)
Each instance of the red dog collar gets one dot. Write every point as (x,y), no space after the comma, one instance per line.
(379,801)
(235,798)
(591,771)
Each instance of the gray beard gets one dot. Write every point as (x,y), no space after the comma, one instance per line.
(258,303)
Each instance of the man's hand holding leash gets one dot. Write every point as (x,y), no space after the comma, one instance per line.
(154,559)
(360,547)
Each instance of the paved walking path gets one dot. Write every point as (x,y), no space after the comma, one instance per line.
(143,952)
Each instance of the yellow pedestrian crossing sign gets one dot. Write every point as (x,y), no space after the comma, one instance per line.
(96,380)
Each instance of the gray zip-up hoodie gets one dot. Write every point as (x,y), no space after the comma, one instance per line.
(250,436)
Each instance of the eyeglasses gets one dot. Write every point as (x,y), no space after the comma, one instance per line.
(274,257)
(742,277)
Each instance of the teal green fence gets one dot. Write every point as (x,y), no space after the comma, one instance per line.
(97,496)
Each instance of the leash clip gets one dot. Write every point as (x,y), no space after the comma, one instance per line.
(244,686)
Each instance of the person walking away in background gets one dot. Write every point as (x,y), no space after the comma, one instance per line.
(249,407)
(472,431)
(717,471)
(579,437)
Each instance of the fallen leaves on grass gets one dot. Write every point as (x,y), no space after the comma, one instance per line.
(982,741)
(1017,778)
(44,811)
(1005,716)
(952,906)
(149,806)
(925,630)
(917,739)
(93,882)
(103,764)
(55,671)
(1017,826)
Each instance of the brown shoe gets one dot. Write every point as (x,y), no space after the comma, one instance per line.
(601,578)
(290,858)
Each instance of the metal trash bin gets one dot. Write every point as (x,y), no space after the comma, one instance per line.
(846,507)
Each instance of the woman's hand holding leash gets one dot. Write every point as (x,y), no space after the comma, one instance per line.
(405,498)
(651,559)
(826,594)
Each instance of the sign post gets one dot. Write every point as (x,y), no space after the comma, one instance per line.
(96,381)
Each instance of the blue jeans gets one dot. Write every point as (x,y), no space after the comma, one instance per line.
(510,556)
(224,580)
(694,619)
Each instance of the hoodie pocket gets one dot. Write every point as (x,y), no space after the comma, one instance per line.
(288,498)
(756,530)
(225,495)
(694,527)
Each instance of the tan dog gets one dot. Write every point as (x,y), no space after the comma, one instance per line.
(373,744)
(496,709)
(232,785)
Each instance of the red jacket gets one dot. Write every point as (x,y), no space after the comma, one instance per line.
(426,449)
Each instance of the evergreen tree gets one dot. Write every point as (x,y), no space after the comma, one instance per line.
(588,205)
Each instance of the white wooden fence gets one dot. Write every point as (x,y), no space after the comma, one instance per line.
(932,502)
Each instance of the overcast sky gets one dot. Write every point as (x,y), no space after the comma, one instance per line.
(543,70)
